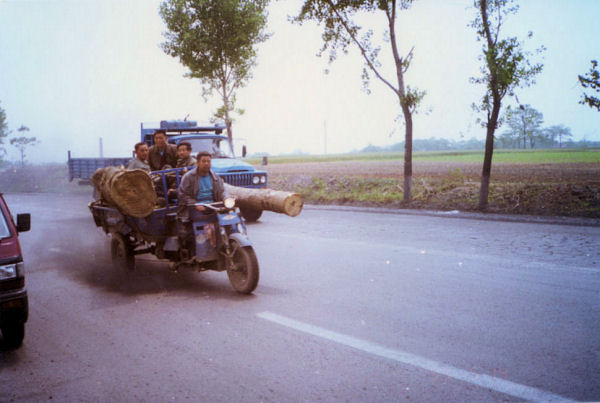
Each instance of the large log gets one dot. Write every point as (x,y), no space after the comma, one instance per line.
(266,199)
(130,190)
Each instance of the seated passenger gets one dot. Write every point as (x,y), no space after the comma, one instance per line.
(184,159)
(140,161)
(162,153)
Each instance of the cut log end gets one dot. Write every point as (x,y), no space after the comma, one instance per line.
(293,204)
(131,191)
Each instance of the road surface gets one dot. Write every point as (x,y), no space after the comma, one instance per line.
(351,306)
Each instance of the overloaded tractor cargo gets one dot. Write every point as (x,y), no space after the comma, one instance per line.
(202,138)
(215,238)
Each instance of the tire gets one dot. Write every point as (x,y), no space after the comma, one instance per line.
(121,253)
(244,275)
(251,215)
(13,334)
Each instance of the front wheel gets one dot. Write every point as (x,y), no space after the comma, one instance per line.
(243,272)
(13,334)
(250,215)
(121,253)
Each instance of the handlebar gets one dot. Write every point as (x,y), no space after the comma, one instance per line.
(217,207)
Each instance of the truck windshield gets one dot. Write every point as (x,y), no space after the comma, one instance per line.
(218,148)
(4,230)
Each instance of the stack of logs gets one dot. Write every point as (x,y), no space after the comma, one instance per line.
(132,192)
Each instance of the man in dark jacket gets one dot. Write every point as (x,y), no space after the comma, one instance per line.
(162,153)
(184,159)
(200,185)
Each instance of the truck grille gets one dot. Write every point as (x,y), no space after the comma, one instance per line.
(238,179)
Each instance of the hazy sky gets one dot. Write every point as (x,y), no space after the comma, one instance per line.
(75,71)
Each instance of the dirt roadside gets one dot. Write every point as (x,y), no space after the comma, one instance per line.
(571,190)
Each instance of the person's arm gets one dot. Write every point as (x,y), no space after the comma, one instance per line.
(186,190)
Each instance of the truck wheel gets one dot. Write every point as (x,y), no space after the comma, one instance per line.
(13,334)
(121,253)
(243,276)
(250,215)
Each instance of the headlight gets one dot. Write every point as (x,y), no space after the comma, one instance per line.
(11,271)
(263,179)
(229,202)
(255,179)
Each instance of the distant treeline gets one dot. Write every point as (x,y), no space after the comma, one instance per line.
(435,144)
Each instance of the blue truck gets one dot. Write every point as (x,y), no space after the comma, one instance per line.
(202,138)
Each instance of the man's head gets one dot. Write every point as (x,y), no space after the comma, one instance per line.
(160,138)
(141,151)
(183,150)
(203,160)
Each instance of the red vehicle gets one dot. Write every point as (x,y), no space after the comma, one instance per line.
(14,306)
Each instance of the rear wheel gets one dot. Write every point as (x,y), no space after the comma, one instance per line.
(250,215)
(13,334)
(243,273)
(121,253)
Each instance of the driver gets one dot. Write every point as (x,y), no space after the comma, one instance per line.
(200,185)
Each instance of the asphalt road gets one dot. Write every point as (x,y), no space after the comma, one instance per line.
(351,306)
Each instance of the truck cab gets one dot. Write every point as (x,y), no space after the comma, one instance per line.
(14,305)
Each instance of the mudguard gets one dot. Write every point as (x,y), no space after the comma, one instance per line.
(241,239)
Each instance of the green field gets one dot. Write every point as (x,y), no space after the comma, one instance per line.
(500,156)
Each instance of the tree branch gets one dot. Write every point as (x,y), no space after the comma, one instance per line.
(360,47)
(391,16)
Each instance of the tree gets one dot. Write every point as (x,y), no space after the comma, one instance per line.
(23,142)
(216,40)
(558,131)
(341,31)
(4,132)
(505,67)
(591,80)
(525,123)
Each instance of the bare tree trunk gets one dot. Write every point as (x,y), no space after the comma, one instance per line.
(487,159)
(229,130)
(226,107)
(407,156)
(493,117)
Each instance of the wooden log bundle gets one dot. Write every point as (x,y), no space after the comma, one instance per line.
(130,191)
(266,199)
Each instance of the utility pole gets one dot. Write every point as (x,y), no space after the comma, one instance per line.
(101,151)
(324,137)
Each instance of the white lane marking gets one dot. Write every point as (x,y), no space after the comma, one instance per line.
(484,381)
